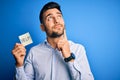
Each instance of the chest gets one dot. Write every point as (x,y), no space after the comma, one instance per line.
(48,66)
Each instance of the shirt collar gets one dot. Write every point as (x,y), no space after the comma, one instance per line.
(48,45)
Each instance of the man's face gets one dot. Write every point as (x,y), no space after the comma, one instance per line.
(53,23)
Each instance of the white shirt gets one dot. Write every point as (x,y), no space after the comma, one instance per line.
(46,63)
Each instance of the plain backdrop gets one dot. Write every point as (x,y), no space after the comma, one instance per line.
(92,23)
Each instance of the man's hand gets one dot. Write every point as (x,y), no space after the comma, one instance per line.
(19,52)
(63,46)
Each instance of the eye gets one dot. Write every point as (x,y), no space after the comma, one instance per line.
(59,16)
(49,18)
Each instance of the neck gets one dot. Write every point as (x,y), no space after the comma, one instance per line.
(53,41)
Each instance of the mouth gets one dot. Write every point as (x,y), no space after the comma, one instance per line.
(57,26)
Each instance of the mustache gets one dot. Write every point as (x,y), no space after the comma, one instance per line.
(58,25)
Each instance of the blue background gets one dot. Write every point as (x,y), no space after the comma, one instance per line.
(93,23)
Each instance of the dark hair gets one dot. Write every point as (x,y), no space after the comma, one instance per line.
(47,6)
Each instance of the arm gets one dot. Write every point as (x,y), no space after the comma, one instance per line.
(23,71)
(80,67)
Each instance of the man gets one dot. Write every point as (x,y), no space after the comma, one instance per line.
(56,58)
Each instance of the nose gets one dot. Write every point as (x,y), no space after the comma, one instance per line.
(56,20)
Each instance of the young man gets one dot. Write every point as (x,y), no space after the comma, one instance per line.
(56,58)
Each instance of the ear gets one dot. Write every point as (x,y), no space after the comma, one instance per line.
(42,27)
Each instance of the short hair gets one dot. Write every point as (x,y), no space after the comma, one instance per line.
(47,6)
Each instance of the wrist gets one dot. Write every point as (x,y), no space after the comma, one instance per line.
(70,58)
(66,53)
(18,65)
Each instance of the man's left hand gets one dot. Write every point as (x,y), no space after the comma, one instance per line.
(63,46)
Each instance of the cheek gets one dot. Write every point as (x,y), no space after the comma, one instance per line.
(49,24)
(62,21)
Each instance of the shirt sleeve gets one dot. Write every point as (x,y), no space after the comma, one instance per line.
(80,68)
(20,74)
(25,72)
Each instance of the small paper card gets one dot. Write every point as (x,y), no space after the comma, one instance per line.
(25,39)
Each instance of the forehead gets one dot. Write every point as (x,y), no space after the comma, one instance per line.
(51,11)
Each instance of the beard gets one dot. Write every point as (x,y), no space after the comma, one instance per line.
(54,34)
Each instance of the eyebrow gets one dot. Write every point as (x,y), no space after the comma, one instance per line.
(51,14)
(48,15)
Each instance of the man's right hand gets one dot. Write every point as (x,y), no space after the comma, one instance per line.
(19,53)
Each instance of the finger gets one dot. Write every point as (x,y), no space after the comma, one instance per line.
(65,37)
(59,47)
(18,44)
(60,44)
(19,51)
(18,48)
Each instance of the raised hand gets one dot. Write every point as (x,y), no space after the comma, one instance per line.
(63,46)
(19,53)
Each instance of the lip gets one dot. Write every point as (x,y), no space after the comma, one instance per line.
(57,26)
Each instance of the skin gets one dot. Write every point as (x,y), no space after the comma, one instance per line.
(53,22)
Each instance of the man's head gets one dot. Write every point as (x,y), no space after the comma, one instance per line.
(46,7)
(52,20)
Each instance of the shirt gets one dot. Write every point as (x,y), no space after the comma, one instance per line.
(46,63)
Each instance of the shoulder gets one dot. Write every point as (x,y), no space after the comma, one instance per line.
(37,47)
(76,45)
(77,49)
(36,50)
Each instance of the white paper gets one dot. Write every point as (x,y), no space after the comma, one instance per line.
(25,39)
